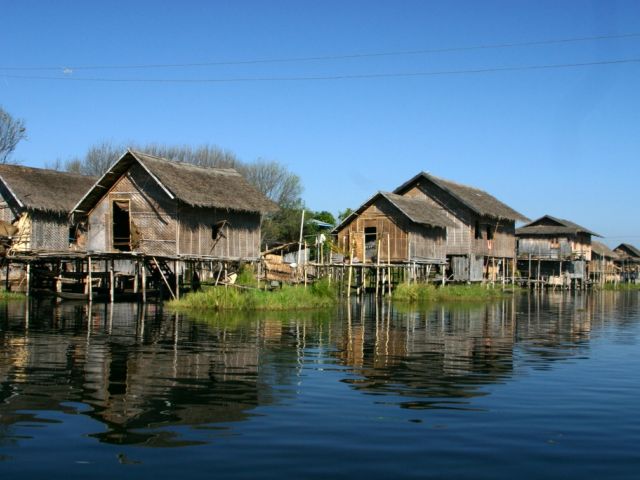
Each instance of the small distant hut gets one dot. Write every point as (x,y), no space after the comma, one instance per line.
(390,228)
(34,207)
(629,262)
(554,250)
(152,206)
(481,244)
(602,267)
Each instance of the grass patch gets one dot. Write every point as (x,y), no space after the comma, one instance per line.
(7,296)
(620,287)
(419,292)
(317,295)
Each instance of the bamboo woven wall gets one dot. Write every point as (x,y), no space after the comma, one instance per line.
(461,238)
(240,235)
(49,232)
(6,213)
(394,234)
(151,211)
(164,229)
(555,246)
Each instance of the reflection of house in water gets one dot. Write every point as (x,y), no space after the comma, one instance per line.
(449,352)
(440,352)
(136,371)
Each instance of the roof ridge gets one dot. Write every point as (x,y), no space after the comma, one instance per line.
(222,170)
(47,170)
(453,182)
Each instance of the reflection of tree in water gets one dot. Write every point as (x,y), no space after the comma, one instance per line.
(139,373)
(142,374)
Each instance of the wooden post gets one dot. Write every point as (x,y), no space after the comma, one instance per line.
(136,273)
(350,274)
(378,268)
(59,282)
(389,263)
(7,285)
(304,265)
(112,283)
(28,287)
(89,279)
(143,280)
(176,273)
(300,241)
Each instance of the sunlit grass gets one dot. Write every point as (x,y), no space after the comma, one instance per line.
(418,292)
(317,295)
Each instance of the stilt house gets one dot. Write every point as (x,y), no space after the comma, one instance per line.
(481,244)
(34,207)
(553,247)
(629,262)
(602,267)
(150,205)
(395,229)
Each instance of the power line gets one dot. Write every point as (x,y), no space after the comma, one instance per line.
(330,77)
(327,57)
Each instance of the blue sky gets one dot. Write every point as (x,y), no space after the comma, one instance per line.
(557,141)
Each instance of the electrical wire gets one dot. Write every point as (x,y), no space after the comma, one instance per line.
(327,57)
(329,77)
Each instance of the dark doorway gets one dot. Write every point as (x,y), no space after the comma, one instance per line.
(370,238)
(121,226)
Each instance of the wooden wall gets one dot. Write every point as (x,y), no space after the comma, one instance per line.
(403,240)
(7,214)
(168,230)
(49,232)
(151,211)
(461,238)
(240,236)
(555,247)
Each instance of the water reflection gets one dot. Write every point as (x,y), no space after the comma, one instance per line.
(142,373)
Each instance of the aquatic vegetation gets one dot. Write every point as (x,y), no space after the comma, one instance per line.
(620,286)
(317,295)
(420,292)
(7,296)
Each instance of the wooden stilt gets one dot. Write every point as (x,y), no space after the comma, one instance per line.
(176,274)
(89,279)
(28,286)
(389,263)
(378,268)
(350,273)
(112,283)
(136,273)
(143,281)
(7,285)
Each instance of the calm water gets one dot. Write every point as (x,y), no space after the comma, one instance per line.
(531,387)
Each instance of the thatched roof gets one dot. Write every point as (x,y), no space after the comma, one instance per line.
(195,186)
(475,199)
(628,249)
(38,189)
(548,225)
(602,250)
(414,209)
